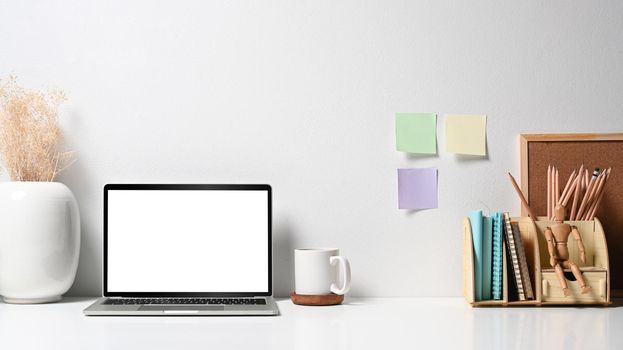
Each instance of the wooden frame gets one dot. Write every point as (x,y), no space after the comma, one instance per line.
(613,227)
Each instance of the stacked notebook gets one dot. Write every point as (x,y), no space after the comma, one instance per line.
(488,237)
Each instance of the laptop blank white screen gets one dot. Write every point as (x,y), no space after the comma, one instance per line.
(187,241)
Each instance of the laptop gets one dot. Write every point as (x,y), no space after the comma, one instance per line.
(186,250)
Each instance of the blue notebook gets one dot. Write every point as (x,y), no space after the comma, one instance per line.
(487,257)
(498,256)
(476,221)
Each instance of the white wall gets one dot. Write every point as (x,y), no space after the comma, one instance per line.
(301,95)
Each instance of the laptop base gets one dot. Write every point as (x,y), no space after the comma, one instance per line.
(98,308)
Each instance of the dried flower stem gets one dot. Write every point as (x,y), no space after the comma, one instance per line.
(29,133)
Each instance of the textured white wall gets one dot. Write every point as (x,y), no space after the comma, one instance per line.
(302,95)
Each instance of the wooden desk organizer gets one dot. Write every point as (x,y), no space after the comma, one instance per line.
(545,284)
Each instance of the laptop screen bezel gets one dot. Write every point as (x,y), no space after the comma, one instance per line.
(187,187)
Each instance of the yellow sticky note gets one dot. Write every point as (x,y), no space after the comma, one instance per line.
(466,134)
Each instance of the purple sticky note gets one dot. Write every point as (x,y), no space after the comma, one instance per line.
(417,188)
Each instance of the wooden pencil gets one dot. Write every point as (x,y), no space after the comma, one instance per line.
(570,191)
(593,197)
(553,195)
(549,191)
(587,195)
(522,198)
(592,210)
(601,194)
(576,195)
(564,191)
(592,200)
(556,190)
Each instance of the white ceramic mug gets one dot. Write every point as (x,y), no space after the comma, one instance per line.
(316,272)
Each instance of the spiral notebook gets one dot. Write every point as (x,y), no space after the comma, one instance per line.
(498,257)
(518,266)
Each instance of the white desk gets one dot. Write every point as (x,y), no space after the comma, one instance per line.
(441,323)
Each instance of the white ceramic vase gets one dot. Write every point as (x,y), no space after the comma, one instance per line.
(39,241)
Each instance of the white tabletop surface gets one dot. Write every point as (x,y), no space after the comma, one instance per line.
(415,323)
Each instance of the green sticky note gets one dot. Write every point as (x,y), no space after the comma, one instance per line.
(416,132)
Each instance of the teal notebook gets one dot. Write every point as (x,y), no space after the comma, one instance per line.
(498,255)
(475,219)
(487,257)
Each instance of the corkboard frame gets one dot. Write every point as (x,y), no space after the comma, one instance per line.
(616,140)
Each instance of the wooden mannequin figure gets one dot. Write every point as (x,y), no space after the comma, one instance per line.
(557,236)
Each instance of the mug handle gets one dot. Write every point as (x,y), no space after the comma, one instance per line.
(345,270)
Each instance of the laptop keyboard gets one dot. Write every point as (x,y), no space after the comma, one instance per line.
(185,301)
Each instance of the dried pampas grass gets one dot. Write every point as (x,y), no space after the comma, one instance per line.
(29,133)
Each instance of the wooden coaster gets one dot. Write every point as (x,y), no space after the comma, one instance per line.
(316,300)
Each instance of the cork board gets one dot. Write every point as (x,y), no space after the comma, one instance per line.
(568,152)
